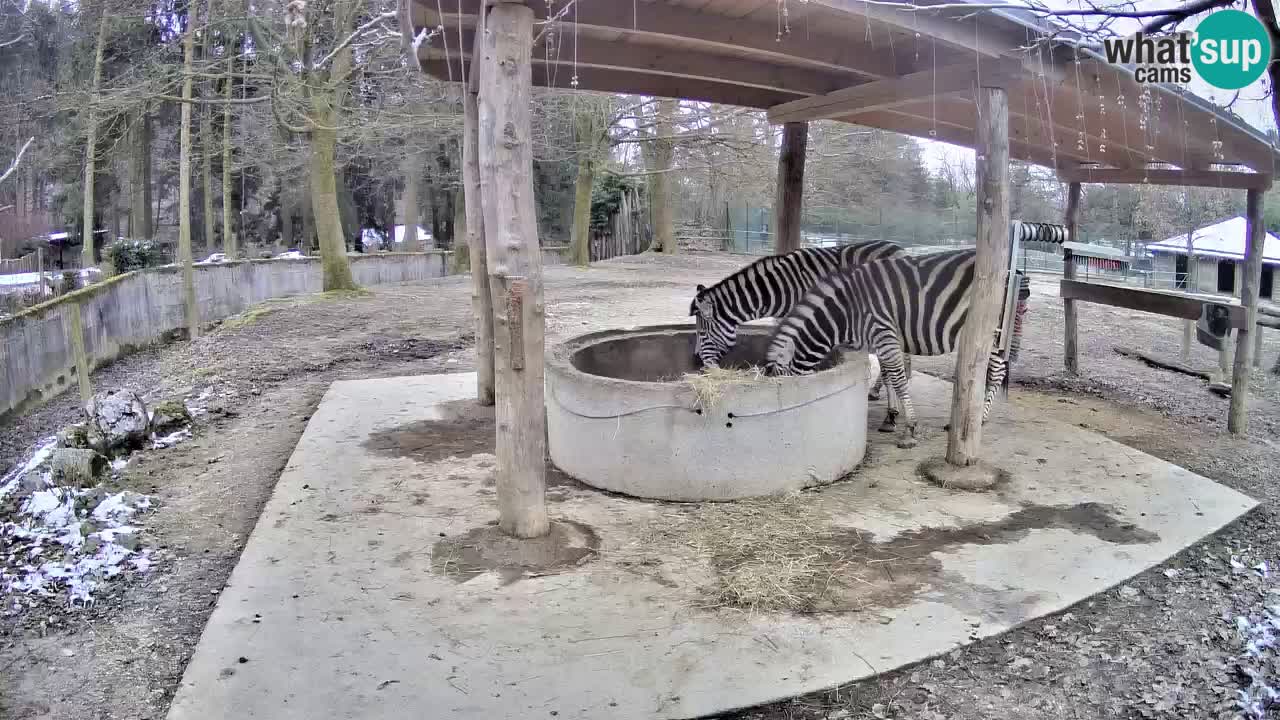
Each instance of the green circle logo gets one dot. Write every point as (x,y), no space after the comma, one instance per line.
(1232,49)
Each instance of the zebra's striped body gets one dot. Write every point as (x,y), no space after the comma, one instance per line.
(770,287)
(895,308)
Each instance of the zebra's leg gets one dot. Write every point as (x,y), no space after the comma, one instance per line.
(896,367)
(893,405)
(890,422)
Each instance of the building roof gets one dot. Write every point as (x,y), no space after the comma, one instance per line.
(908,71)
(1220,240)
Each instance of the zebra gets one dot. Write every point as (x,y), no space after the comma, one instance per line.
(897,307)
(770,287)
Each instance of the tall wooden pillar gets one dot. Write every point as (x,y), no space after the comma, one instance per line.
(1188,326)
(789,201)
(481,300)
(1070,350)
(1255,236)
(964,438)
(515,266)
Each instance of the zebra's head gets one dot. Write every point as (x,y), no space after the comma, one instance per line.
(715,332)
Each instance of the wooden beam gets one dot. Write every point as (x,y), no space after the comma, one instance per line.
(1160,302)
(515,268)
(892,92)
(1070,334)
(481,298)
(790,187)
(948,130)
(694,63)
(691,29)
(624,81)
(964,436)
(1255,237)
(1161,176)
(960,33)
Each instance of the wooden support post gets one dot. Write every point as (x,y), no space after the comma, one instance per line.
(964,438)
(1255,236)
(75,337)
(1257,346)
(790,191)
(1070,350)
(515,266)
(1188,326)
(481,300)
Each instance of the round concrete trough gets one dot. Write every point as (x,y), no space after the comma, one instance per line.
(620,417)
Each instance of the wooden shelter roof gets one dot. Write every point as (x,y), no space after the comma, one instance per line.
(871,65)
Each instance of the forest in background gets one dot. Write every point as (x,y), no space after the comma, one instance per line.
(297,124)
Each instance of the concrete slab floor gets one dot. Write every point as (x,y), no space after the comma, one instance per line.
(374,587)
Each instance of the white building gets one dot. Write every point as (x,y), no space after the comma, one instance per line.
(1218,253)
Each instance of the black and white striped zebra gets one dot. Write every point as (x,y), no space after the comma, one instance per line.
(895,308)
(769,287)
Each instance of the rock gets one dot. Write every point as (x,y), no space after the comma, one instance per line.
(78,467)
(74,436)
(32,482)
(121,418)
(1128,592)
(169,415)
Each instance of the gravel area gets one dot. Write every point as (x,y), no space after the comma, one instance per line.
(1167,645)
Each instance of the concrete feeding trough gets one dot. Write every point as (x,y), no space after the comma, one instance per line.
(622,416)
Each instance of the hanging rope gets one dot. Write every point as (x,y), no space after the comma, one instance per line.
(699,411)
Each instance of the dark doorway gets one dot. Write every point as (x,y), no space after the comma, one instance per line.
(1180,271)
(1227,276)
(1267,282)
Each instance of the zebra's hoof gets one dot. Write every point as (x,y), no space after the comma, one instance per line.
(946,427)
(887,427)
(906,443)
(873,396)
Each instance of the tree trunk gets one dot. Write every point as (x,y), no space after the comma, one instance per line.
(461,254)
(477,249)
(973,351)
(324,199)
(511,230)
(587,121)
(230,243)
(410,209)
(207,149)
(580,232)
(664,234)
(789,208)
(91,145)
(139,174)
(286,217)
(191,311)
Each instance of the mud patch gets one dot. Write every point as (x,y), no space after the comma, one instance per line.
(465,429)
(488,549)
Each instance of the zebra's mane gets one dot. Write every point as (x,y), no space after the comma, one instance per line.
(702,291)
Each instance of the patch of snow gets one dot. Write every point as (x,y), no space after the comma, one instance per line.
(171,439)
(42,453)
(67,541)
(119,464)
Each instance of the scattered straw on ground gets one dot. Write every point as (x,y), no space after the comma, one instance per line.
(710,385)
(768,554)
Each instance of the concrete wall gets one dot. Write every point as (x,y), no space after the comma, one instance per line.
(141,308)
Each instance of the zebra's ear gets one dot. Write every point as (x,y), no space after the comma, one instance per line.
(701,289)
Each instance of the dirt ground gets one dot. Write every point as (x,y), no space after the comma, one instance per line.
(1163,646)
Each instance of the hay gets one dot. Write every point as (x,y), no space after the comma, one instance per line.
(776,554)
(710,385)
